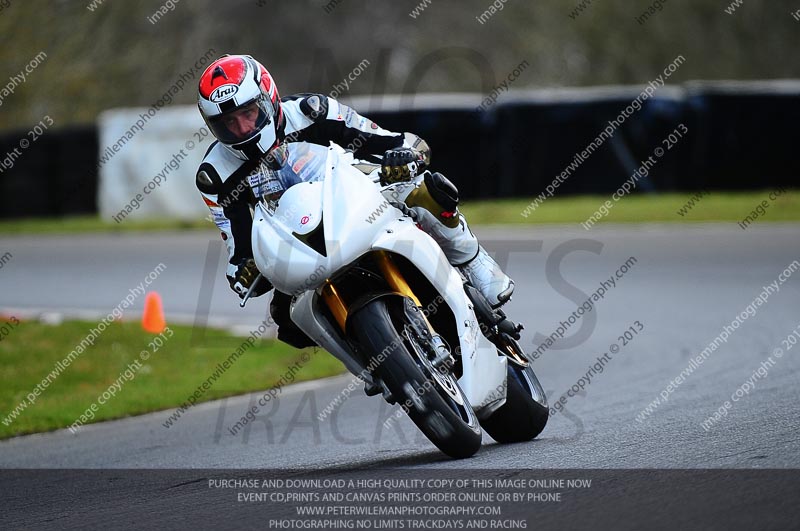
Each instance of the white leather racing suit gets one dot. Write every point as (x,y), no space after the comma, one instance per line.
(226,182)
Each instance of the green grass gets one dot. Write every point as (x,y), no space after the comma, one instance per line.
(641,208)
(637,208)
(30,351)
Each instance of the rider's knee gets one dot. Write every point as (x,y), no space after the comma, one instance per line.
(439,196)
(442,190)
(288,331)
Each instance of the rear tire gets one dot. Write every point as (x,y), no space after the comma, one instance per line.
(525,413)
(452,426)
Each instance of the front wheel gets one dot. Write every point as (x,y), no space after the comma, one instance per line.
(525,412)
(434,402)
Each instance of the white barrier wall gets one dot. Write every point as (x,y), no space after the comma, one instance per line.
(148,160)
(140,145)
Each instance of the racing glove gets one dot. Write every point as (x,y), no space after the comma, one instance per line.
(401,164)
(245,276)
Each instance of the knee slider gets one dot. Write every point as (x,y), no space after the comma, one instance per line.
(442,191)
(288,332)
(279,309)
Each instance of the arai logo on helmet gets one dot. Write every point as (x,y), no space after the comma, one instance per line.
(223,93)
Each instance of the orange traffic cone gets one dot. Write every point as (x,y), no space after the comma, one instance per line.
(153,316)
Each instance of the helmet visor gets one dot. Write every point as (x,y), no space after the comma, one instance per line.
(242,123)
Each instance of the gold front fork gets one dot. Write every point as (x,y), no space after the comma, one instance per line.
(335,304)
(399,284)
(393,276)
(396,281)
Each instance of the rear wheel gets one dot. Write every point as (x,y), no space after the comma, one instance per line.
(525,413)
(431,398)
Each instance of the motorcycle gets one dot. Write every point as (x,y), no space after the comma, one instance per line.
(378,293)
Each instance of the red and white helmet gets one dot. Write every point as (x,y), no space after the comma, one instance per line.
(241,106)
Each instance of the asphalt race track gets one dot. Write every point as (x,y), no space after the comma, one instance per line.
(684,286)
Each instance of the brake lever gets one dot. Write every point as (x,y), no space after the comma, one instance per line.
(250,291)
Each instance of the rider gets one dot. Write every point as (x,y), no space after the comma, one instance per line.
(239,102)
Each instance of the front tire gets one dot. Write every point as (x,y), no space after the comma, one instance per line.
(525,413)
(446,418)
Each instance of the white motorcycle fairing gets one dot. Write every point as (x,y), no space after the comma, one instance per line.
(320,228)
